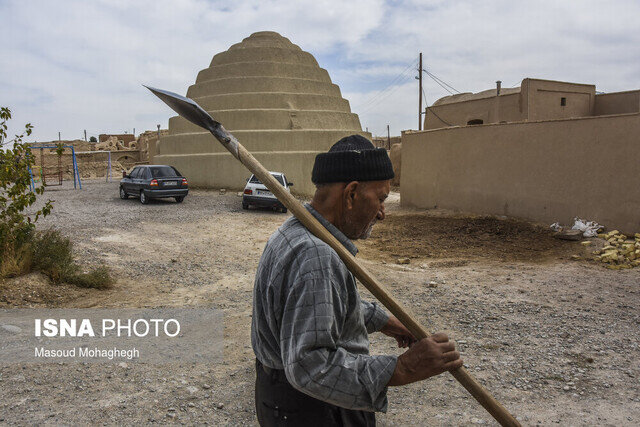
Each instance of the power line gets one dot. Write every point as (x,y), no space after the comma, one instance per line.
(377,95)
(386,95)
(442,86)
(382,94)
(441,82)
(434,113)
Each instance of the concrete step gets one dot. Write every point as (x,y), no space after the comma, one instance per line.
(271,119)
(265,39)
(262,84)
(259,54)
(259,100)
(266,69)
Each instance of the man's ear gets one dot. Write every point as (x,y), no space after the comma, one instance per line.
(349,194)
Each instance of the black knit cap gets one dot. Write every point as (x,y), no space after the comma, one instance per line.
(353,158)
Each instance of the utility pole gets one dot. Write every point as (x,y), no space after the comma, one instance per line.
(85,135)
(158,132)
(420,93)
(388,138)
(59,140)
(134,132)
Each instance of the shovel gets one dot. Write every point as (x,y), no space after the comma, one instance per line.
(191,111)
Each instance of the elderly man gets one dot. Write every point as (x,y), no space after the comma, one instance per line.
(310,328)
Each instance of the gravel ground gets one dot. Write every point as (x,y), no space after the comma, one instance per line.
(555,341)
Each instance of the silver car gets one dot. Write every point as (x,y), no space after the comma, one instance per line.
(256,194)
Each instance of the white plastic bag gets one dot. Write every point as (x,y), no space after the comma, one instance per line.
(556,226)
(588,228)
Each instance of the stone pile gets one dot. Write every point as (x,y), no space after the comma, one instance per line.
(620,250)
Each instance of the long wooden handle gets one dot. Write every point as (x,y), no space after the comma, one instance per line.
(364,276)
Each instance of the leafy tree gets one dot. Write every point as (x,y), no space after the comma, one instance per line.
(59,149)
(93,139)
(16,194)
(21,247)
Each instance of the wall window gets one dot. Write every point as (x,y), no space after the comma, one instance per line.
(563,101)
(475,122)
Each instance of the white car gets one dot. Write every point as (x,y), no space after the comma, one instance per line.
(256,194)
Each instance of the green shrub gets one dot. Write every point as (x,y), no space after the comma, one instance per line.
(16,195)
(53,256)
(98,278)
(22,249)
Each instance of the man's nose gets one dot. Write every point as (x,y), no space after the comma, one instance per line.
(381,213)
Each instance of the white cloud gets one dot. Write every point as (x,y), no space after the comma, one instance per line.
(70,65)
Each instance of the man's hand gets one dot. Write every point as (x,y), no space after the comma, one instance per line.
(426,358)
(396,330)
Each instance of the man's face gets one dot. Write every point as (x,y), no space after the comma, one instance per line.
(364,205)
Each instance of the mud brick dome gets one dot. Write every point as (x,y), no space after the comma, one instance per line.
(275,99)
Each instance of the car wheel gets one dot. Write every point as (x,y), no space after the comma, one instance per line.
(123,194)
(283,210)
(179,199)
(245,206)
(144,199)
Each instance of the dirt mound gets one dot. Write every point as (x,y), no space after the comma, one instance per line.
(36,290)
(463,238)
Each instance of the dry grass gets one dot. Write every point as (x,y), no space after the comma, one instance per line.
(52,254)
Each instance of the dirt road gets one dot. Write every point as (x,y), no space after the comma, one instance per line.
(555,340)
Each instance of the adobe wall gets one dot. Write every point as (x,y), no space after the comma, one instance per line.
(92,157)
(77,144)
(544,171)
(618,103)
(543,99)
(534,100)
(395,154)
(494,109)
(147,144)
(92,164)
(383,142)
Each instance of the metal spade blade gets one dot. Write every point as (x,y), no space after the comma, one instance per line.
(186,108)
(191,111)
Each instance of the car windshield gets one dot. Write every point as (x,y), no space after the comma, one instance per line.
(255,180)
(162,171)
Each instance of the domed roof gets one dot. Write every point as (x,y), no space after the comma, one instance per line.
(273,96)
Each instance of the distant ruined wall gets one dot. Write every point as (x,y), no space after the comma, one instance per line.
(93,157)
(126,138)
(147,144)
(544,171)
(90,165)
(77,144)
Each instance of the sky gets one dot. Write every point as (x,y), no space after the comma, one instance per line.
(71,65)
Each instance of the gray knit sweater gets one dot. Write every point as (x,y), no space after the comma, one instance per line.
(309,320)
